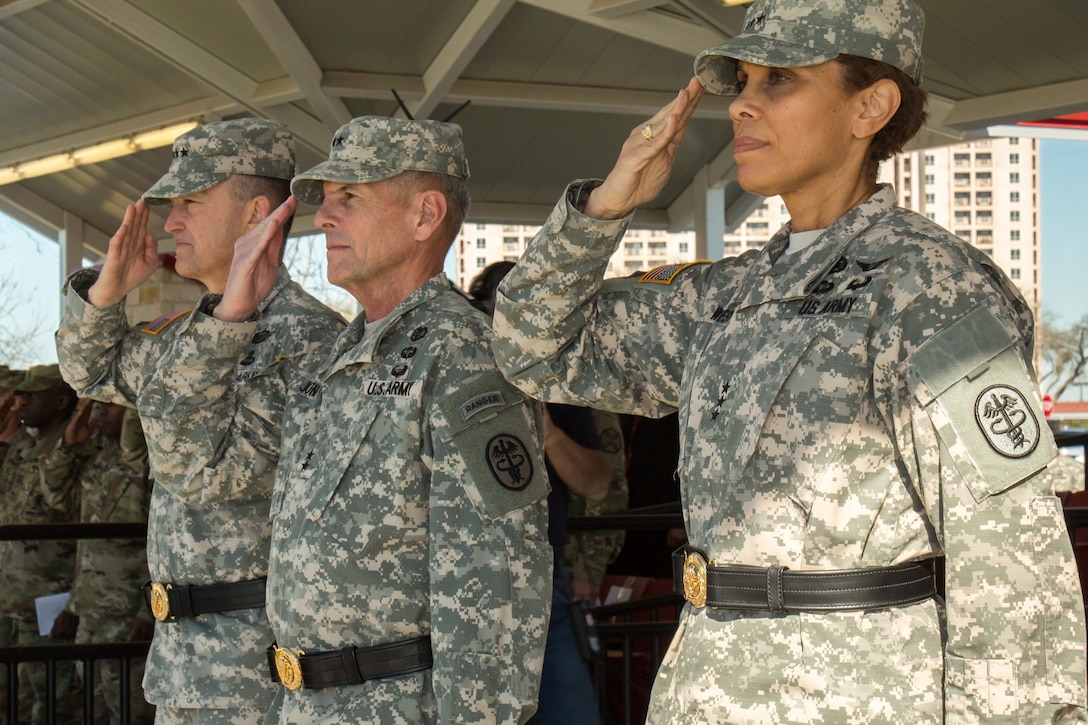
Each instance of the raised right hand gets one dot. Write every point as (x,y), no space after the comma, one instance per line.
(80,426)
(255,265)
(132,257)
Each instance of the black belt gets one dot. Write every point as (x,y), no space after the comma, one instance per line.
(349,666)
(168,602)
(777,589)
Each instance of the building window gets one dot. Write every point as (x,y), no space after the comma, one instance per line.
(481,243)
(632,248)
(758,229)
(1014,254)
(1014,158)
(683,247)
(1014,141)
(1014,216)
(930,160)
(1014,235)
(931,198)
(984,178)
(963,217)
(1014,273)
(984,217)
(984,159)
(481,262)
(657,247)
(964,234)
(1014,177)
(932,179)
(1014,196)
(932,216)
(984,198)
(481,226)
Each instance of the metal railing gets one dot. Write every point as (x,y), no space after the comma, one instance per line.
(85,654)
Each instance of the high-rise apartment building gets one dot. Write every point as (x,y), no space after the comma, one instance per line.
(986,192)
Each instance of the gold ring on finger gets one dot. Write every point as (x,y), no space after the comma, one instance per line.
(648,133)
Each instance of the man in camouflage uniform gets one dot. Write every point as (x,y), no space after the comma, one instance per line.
(102,452)
(855,406)
(589,551)
(36,568)
(208,528)
(410,569)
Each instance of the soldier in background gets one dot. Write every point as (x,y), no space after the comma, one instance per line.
(35,569)
(9,425)
(208,525)
(103,444)
(410,570)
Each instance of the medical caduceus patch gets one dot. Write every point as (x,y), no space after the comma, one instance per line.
(510,462)
(1007,421)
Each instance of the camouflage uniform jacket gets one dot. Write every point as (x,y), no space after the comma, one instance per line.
(208,521)
(397,512)
(32,568)
(864,402)
(114,488)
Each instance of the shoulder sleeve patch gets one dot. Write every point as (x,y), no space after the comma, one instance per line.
(982,400)
(494,428)
(667,273)
(157,326)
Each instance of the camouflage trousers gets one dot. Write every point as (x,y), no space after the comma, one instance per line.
(191,716)
(107,673)
(33,697)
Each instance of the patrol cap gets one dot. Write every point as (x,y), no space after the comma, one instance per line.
(10,379)
(798,33)
(210,153)
(39,378)
(372,148)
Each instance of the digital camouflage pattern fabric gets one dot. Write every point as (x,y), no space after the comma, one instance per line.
(372,148)
(410,500)
(793,33)
(211,153)
(589,551)
(864,402)
(208,519)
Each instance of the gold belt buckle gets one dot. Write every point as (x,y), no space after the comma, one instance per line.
(160,601)
(288,669)
(695,579)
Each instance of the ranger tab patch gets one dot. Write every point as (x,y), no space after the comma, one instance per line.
(481,402)
(1007,421)
(665,274)
(157,326)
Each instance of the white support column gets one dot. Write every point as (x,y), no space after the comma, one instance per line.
(70,242)
(709,217)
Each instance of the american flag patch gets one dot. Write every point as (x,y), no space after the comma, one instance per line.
(665,274)
(154,328)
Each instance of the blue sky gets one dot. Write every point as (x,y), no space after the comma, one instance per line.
(32,278)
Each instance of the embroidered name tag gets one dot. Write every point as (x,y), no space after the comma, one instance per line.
(392,388)
(481,402)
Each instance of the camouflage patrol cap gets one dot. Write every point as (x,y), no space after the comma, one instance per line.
(797,33)
(10,379)
(372,148)
(210,153)
(39,378)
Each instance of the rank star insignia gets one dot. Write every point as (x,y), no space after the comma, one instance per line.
(1007,421)
(509,462)
(721,399)
(756,24)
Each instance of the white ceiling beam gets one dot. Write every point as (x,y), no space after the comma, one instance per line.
(507,94)
(47,218)
(1030,104)
(618,8)
(10,8)
(657,28)
(161,40)
(296,59)
(458,52)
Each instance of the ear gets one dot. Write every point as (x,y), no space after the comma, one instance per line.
(257,209)
(879,102)
(431,209)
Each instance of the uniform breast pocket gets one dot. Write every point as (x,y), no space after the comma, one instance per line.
(327,466)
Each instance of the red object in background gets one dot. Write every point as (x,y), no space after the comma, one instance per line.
(1048,405)
(169,260)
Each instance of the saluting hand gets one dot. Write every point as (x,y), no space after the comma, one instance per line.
(80,426)
(644,166)
(256,263)
(132,257)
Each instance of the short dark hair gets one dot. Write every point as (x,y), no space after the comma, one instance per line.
(455,190)
(859,73)
(484,285)
(244,187)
